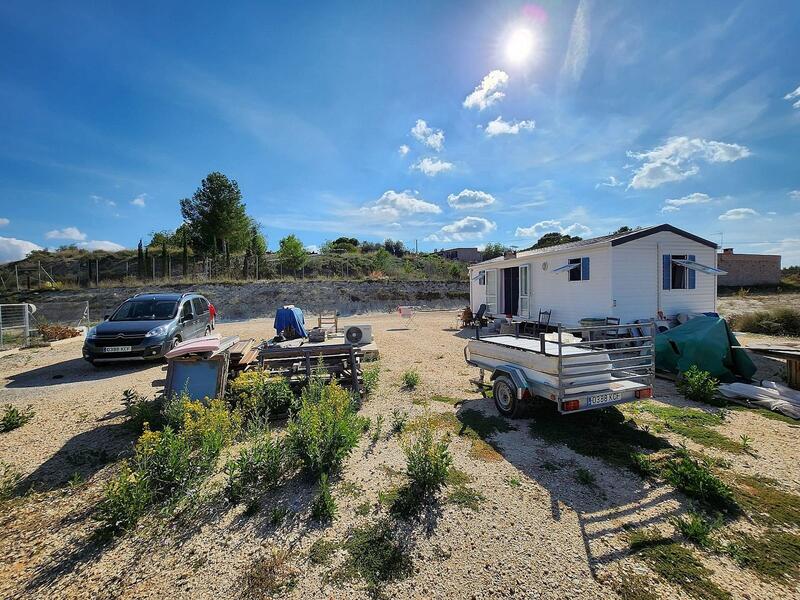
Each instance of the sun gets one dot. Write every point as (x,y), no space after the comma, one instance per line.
(519,45)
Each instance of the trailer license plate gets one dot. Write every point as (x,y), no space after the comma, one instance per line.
(117,349)
(604,398)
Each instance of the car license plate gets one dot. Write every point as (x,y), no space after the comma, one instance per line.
(604,398)
(117,349)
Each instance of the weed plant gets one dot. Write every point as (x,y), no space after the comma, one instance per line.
(255,469)
(14,418)
(698,385)
(323,507)
(411,379)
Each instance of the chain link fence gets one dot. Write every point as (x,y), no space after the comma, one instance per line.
(102,268)
(15,325)
(21,324)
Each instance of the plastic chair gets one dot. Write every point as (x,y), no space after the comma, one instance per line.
(407,313)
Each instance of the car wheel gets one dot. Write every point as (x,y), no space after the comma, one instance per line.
(505,396)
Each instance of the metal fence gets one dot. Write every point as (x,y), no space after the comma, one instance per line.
(15,325)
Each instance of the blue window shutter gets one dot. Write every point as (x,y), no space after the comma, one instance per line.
(585,268)
(666,271)
(692,274)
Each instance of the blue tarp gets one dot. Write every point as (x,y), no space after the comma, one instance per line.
(290,317)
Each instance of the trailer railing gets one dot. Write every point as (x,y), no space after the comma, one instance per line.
(630,352)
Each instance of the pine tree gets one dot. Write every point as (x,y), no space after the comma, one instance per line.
(140,261)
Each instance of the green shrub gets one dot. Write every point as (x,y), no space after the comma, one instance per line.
(371,378)
(323,507)
(256,468)
(411,379)
(585,477)
(377,429)
(399,420)
(126,498)
(696,527)
(698,385)
(260,396)
(9,478)
(325,429)
(427,460)
(173,410)
(141,410)
(376,555)
(642,464)
(14,418)
(167,464)
(321,551)
(696,480)
(775,321)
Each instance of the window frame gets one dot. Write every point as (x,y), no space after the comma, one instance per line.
(676,268)
(575,273)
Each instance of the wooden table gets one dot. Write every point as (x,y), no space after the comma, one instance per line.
(791,354)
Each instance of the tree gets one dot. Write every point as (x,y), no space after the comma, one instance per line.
(146,264)
(623,229)
(258,243)
(554,239)
(395,247)
(216,217)
(380,262)
(291,253)
(493,250)
(140,268)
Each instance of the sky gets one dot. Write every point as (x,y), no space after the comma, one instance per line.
(442,124)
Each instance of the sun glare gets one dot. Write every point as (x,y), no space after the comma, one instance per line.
(519,45)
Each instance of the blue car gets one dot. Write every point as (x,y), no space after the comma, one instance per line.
(148,326)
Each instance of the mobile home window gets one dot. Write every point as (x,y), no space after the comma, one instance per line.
(575,272)
(481,277)
(679,275)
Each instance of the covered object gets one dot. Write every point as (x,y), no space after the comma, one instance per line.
(290,318)
(706,342)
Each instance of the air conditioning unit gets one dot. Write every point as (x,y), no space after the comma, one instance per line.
(358,334)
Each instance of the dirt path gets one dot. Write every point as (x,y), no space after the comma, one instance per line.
(537,532)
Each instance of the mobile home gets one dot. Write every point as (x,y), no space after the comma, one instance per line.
(638,275)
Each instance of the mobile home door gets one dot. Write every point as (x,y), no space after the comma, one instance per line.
(491,291)
(524,291)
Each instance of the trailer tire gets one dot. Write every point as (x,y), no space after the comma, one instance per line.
(505,397)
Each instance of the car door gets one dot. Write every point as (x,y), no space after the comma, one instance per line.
(188,321)
(201,314)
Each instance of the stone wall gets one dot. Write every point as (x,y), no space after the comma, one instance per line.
(254,300)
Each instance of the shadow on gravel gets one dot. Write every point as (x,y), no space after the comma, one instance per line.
(84,454)
(561,453)
(75,370)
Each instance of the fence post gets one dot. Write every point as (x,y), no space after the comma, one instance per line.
(1,327)
(16,275)
(256,267)
(27,325)
(97,272)
(154,268)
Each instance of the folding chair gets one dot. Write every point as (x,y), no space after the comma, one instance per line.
(543,322)
(406,312)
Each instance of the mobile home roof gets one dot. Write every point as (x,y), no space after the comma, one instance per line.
(615,239)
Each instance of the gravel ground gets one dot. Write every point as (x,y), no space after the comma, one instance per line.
(537,534)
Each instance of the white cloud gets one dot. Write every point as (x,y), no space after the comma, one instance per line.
(674,204)
(468,228)
(403,150)
(393,205)
(578,49)
(103,201)
(736,214)
(432,166)
(794,194)
(610,182)
(139,200)
(538,229)
(68,233)
(488,91)
(470,199)
(4,222)
(792,96)
(100,245)
(14,249)
(500,127)
(432,138)
(313,248)
(677,159)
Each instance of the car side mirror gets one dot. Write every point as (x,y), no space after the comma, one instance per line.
(106,317)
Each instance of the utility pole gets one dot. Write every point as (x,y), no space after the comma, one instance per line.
(16,276)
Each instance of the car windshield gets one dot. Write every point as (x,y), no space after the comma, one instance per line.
(145,310)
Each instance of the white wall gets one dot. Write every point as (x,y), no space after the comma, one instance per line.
(636,274)
(571,301)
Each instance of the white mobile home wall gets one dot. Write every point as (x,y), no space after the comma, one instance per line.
(637,276)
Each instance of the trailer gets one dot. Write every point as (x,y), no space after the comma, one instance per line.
(578,369)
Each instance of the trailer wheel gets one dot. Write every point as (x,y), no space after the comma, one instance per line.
(505,396)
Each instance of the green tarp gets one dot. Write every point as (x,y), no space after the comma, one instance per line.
(706,342)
